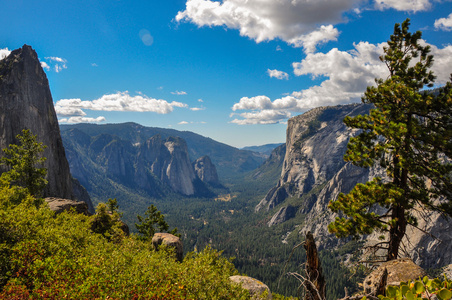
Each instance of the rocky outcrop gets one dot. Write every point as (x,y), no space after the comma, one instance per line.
(169,240)
(284,213)
(315,145)
(257,289)
(399,270)
(314,173)
(59,205)
(206,171)
(26,103)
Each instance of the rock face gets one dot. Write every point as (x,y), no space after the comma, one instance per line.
(257,289)
(155,166)
(206,171)
(168,240)
(314,173)
(58,205)
(399,270)
(26,103)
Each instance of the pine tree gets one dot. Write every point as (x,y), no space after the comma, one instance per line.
(409,134)
(153,221)
(25,164)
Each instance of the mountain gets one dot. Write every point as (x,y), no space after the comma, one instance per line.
(228,160)
(314,172)
(26,103)
(264,149)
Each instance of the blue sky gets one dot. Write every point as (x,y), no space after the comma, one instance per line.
(232,70)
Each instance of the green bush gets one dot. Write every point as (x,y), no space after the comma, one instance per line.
(419,290)
(48,256)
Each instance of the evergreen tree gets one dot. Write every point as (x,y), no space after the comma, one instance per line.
(153,221)
(25,164)
(409,134)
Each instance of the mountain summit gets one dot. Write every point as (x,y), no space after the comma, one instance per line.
(26,103)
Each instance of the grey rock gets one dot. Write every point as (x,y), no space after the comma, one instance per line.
(26,103)
(314,172)
(206,171)
(257,289)
(169,240)
(59,205)
(399,270)
(284,213)
(81,194)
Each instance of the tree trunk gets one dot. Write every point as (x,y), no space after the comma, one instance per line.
(397,232)
(315,282)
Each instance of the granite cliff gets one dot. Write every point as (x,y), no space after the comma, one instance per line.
(314,172)
(154,167)
(26,103)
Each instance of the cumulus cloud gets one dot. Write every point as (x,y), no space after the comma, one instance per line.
(58,63)
(121,101)
(4,53)
(277,74)
(293,21)
(443,24)
(321,36)
(345,74)
(261,117)
(179,93)
(82,120)
(404,5)
(44,65)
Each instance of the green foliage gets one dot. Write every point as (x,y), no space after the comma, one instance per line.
(153,218)
(48,256)
(107,221)
(25,163)
(419,290)
(409,135)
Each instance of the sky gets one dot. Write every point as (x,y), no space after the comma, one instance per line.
(231,70)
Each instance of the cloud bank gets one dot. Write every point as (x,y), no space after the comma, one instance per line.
(120,101)
(346,75)
(300,23)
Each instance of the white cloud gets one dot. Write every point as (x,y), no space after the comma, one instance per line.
(59,63)
(278,48)
(179,93)
(443,23)
(404,5)
(200,100)
(94,65)
(44,65)
(277,74)
(4,53)
(346,75)
(321,36)
(292,21)
(82,120)
(121,101)
(197,108)
(261,117)
(185,122)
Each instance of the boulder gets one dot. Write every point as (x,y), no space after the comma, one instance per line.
(169,240)
(398,270)
(257,289)
(58,205)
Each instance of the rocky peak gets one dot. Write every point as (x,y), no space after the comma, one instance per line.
(206,170)
(26,103)
(314,172)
